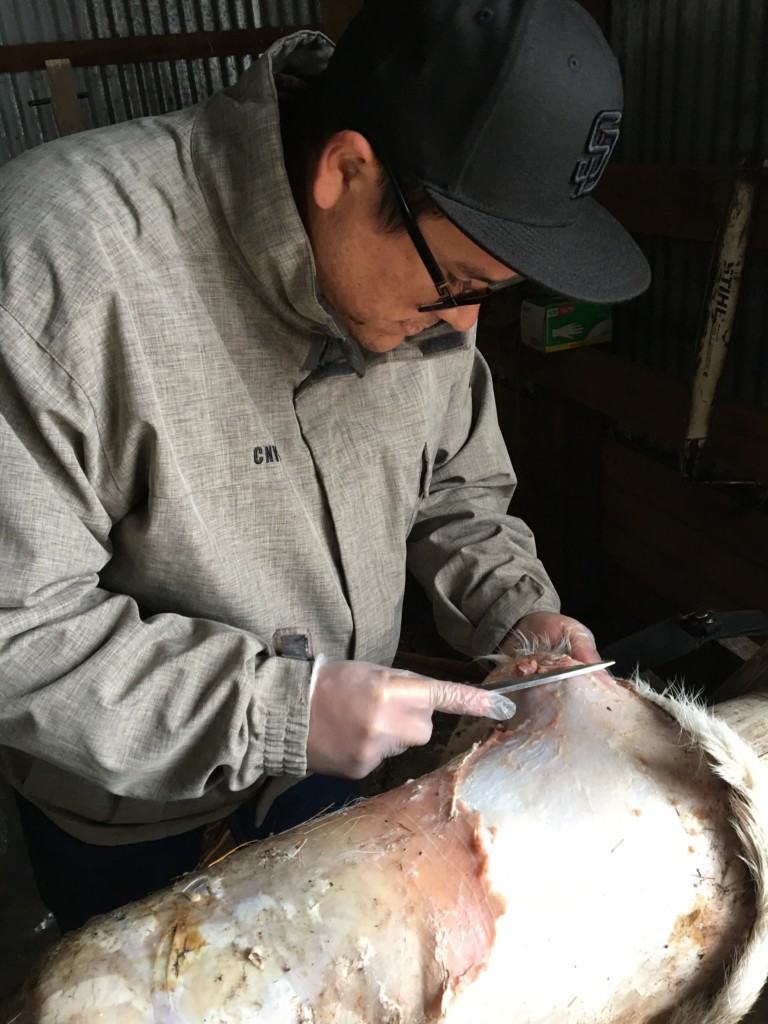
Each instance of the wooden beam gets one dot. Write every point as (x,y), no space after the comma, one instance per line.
(639,563)
(136,49)
(676,202)
(751,677)
(648,403)
(64,101)
(741,646)
(748,716)
(726,578)
(714,514)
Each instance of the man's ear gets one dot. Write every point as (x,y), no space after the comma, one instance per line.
(346,163)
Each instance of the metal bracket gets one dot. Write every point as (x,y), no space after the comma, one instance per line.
(676,637)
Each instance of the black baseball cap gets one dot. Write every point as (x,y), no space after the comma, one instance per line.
(507,112)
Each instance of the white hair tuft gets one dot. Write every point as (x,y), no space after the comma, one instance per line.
(737,764)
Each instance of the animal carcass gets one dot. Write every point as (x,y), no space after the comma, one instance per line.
(601,858)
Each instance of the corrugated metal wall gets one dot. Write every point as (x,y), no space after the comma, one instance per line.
(116,93)
(696,83)
(696,95)
(696,79)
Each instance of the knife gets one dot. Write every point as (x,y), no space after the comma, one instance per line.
(505,686)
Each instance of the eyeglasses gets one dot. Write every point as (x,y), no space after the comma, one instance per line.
(447,299)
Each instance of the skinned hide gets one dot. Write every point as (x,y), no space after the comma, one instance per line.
(601,858)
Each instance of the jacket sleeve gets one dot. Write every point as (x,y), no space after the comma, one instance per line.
(159,708)
(477,563)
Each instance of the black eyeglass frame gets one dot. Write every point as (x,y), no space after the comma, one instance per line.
(447,299)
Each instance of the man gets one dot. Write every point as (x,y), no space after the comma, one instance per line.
(241,395)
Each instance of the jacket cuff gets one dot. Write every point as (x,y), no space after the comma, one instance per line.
(528,595)
(279,720)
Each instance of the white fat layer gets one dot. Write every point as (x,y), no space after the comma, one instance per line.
(604,838)
(598,841)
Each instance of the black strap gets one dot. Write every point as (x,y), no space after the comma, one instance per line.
(681,635)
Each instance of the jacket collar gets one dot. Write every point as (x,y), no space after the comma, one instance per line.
(238,157)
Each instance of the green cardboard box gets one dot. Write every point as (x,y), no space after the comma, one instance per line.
(551,323)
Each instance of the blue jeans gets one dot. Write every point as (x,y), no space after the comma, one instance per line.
(77,880)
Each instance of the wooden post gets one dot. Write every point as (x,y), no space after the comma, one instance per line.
(64,101)
(719,317)
(751,677)
(337,14)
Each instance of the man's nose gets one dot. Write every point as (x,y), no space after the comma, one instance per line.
(461,318)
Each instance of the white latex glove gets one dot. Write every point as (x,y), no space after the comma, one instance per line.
(362,713)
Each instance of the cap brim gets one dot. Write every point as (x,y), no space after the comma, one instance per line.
(594,258)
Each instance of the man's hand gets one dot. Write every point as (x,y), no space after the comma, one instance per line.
(551,627)
(361,714)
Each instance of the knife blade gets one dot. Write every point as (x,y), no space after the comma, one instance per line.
(505,686)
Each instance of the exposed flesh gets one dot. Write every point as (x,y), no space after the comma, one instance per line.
(577,866)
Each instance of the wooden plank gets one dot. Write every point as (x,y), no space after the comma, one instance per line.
(611,387)
(676,202)
(635,545)
(651,404)
(741,646)
(684,589)
(337,14)
(136,49)
(706,566)
(723,518)
(748,716)
(751,677)
(64,101)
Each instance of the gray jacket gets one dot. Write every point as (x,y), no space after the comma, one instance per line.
(205,480)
